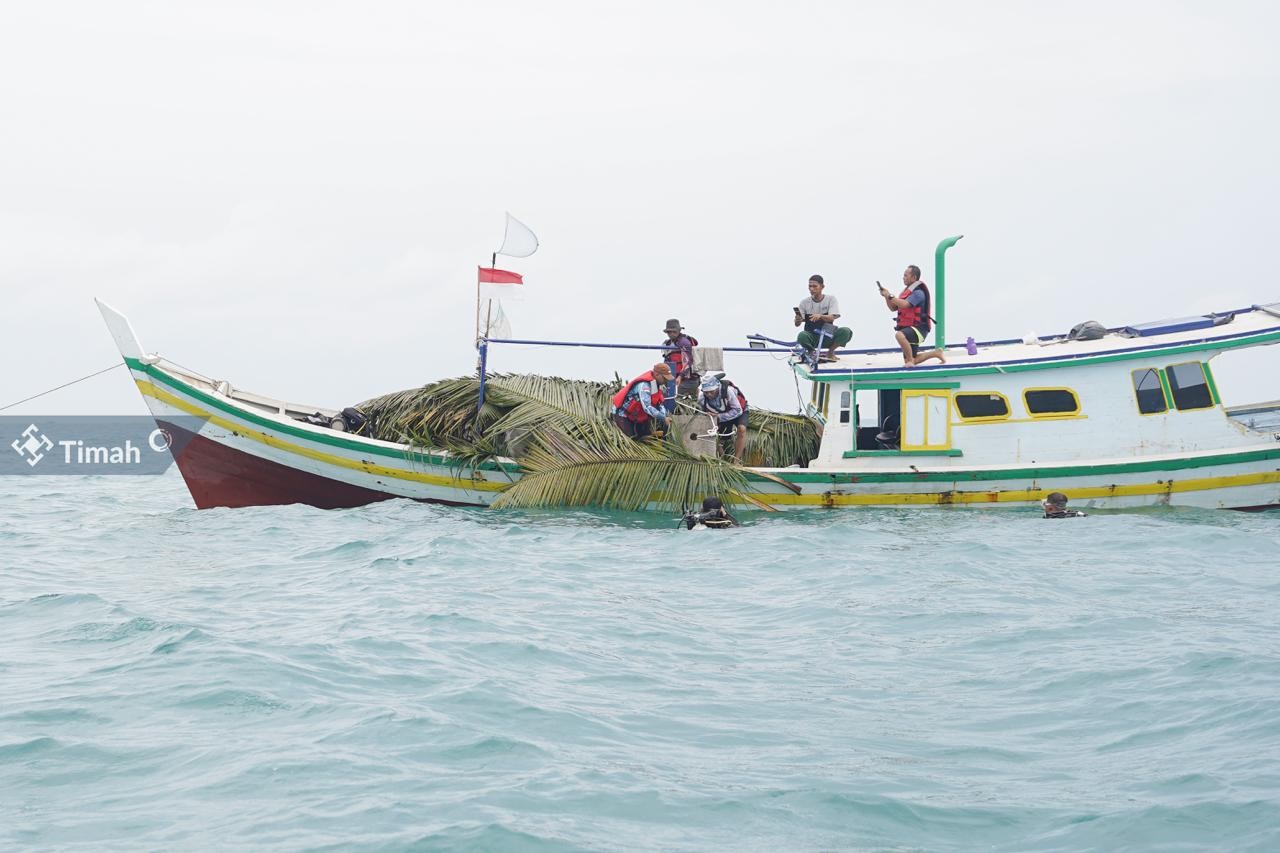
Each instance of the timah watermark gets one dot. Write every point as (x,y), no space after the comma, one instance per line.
(88,444)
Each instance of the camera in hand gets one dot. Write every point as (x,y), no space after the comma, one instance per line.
(713,515)
(716,519)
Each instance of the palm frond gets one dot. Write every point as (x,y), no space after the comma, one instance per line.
(776,440)
(548,402)
(603,468)
(561,434)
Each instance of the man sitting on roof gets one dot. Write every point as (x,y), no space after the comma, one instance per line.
(637,407)
(914,319)
(819,313)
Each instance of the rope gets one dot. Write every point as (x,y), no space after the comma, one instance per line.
(63,385)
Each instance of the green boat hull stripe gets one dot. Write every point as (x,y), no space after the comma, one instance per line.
(1054,472)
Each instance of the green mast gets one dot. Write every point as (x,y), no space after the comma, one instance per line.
(939,289)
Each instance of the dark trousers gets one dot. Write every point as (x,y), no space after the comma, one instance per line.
(632,429)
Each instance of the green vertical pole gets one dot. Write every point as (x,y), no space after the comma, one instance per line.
(939,290)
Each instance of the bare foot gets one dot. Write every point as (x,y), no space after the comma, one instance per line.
(908,364)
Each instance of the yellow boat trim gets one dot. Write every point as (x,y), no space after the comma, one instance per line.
(149,389)
(1078,493)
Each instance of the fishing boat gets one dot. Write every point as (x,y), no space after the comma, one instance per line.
(1132,418)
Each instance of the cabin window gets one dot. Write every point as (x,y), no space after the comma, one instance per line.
(1149,391)
(846,402)
(1044,402)
(1189,387)
(987,406)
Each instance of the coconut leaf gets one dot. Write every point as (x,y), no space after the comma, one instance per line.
(776,440)
(606,469)
(561,433)
(548,402)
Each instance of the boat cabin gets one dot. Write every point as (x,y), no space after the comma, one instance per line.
(1145,390)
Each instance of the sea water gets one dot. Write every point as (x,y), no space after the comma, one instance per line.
(411,676)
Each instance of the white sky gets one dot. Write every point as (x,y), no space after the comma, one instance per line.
(294,196)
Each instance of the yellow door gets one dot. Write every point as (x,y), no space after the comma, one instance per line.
(926,420)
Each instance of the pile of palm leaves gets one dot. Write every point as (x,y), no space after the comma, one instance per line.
(561,434)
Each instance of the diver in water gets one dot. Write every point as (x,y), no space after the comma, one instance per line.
(712,515)
(1055,506)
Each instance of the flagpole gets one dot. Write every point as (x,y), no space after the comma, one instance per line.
(493,262)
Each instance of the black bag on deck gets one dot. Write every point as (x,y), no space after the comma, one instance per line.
(357,421)
(1089,330)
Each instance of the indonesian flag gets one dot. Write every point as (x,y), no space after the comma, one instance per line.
(499,284)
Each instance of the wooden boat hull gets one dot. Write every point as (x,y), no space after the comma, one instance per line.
(247,454)
(246,458)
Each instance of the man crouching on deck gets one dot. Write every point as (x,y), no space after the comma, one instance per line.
(915,309)
(637,407)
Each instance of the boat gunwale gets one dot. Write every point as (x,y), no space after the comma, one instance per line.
(835,477)
(315,433)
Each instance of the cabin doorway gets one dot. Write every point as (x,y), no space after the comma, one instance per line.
(903,419)
(879,418)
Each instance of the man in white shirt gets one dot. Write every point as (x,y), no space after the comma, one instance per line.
(818,312)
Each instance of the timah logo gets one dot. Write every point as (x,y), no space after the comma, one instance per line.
(95,445)
(32,445)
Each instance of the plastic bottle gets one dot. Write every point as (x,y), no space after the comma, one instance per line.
(970,346)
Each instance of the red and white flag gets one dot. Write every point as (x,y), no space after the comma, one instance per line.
(499,284)
(490,275)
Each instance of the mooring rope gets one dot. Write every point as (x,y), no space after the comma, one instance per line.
(63,385)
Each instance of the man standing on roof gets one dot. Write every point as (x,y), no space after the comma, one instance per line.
(679,357)
(819,312)
(637,407)
(914,308)
(721,399)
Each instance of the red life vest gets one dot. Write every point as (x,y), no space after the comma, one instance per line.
(676,357)
(635,412)
(915,315)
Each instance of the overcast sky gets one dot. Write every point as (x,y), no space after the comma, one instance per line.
(294,196)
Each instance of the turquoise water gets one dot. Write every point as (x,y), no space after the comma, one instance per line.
(404,675)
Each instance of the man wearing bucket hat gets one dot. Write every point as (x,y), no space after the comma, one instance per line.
(679,357)
(721,399)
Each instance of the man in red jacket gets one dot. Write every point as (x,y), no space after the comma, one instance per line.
(914,307)
(637,407)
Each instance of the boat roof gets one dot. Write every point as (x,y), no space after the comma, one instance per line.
(1256,325)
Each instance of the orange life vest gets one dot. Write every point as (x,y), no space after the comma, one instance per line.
(634,411)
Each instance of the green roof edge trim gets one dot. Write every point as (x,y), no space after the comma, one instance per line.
(929,373)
